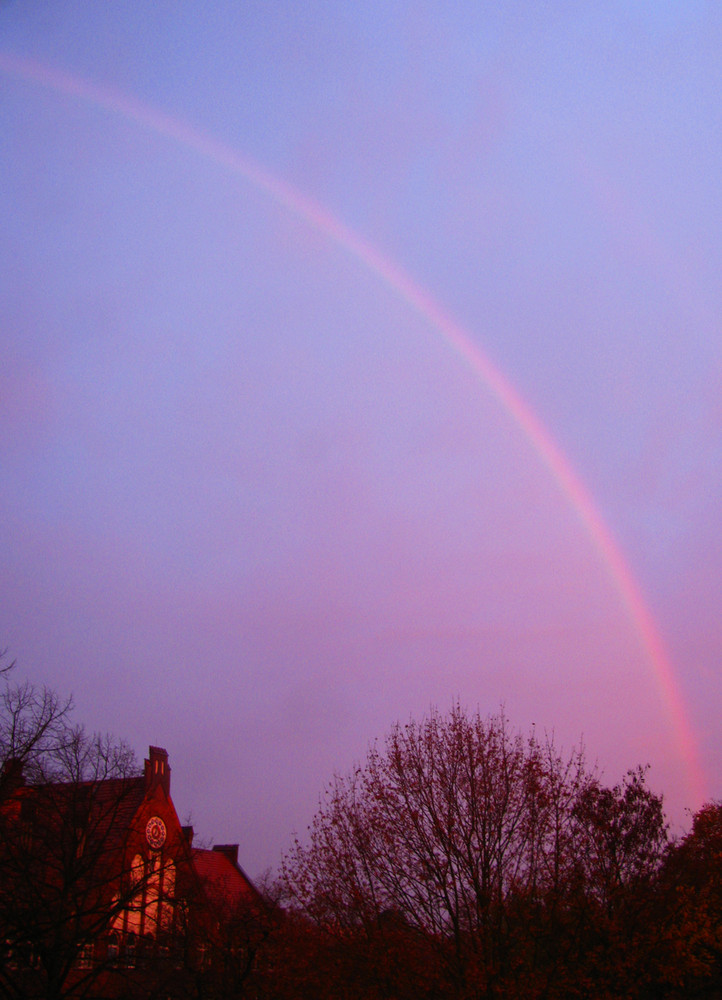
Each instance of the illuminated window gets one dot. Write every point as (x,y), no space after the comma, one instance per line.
(137,870)
(166,906)
(169,880)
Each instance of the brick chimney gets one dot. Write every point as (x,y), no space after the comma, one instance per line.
(157,769)
(230,851)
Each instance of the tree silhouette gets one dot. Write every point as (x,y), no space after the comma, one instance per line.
(508,866)
(690,890)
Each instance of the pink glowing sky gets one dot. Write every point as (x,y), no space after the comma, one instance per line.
(256,505)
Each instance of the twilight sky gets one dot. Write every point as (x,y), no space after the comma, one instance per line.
(259,497)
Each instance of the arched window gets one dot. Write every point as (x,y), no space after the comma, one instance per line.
(169,880)
(118,913)
(167,894)
(137,870)
(151,903)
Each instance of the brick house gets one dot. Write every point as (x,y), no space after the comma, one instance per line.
(101,891)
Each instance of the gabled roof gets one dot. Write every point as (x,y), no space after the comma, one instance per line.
(224,881)
(96,815)
(100,812)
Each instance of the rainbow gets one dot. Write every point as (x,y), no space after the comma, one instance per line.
(401,284)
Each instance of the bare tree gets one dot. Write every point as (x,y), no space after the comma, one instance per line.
(67,798)
(61,854)
(483,849)
(34,729)
(448,825)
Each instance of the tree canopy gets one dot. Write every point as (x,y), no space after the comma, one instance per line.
(508,861)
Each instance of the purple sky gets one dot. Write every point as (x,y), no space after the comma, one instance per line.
(254,507)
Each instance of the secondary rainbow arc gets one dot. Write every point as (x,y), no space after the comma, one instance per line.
(424,304)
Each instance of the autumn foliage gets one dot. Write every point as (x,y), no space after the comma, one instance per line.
(465,860)
(462,860)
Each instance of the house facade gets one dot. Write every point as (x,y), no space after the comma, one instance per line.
(102,893)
